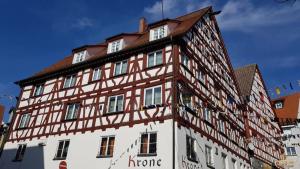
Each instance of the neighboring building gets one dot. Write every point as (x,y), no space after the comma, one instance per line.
(164,97)
(2,128)
(287,109)
(262,131)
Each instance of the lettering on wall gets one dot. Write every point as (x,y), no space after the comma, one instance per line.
(186,164)
(149,162)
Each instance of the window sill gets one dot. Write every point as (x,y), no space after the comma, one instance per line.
(153,67)
(210,166)
(119,75)
(152,106)
(94,81)
(16,160)
(193,160)
(67,88)
(68,120)
(59,158)
(188,109)
(113,113)
(99,156)
(187,69)
(147,155)
(22,128)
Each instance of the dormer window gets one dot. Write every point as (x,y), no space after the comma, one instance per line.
(115,46)
(79,56)
(278,105)
(158,33)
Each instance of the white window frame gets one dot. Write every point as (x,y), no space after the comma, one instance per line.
(155,58)
(207,114)
(209,156)
(38,90)
(74,113)
(116,102)
(79,56)
(153,95)
(190,104)
(234,163)
(121,67)
(185,58)
(62,150)
(148,144)
(291,151)
(156,33)
(224,161)
(96,74)
(20,152)
(222,126)
(190,141)
(106,146)
(72,81)
(278,105)
(201,76)
(24,120)
(115,46)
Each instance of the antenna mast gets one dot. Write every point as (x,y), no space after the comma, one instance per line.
(162,9)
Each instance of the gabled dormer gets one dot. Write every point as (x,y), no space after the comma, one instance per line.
(119,42)
(83,53)
(161,29)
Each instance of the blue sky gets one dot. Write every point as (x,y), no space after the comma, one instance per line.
(36,33)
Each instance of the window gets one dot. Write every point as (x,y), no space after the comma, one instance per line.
(234,165)
(222,126)
(120,68)
(62,149)
(209,156)
(72,111)
(79,56)
(201,76)
(96,74)
(24,120)
(115,46)
(207,115)
(191,148)
(224,161)
(39,90)
(291,151)
(107,146)
(70,81)
(155,58)
(153,96)
(187,99)
(148,144)
(185,60)
(115,104)
(278,105)
(20,152)
(158,33)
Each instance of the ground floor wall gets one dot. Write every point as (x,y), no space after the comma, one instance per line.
(84,148)
(218,157)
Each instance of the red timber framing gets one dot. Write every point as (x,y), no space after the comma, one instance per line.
(264,131)
(218,92)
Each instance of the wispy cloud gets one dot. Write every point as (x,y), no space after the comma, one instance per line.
(173,8)
(243,16)
(82,23)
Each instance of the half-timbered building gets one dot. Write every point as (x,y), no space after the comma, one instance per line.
(163,97)
(262,130)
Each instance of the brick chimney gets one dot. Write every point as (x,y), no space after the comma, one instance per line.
(143,25)
(1,113)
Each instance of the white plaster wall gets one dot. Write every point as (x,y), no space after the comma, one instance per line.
(83,149)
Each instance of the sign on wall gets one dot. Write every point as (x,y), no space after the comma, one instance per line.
(63,165)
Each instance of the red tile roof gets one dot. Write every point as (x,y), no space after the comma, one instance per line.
(290,108)
(185,23)
(245,76)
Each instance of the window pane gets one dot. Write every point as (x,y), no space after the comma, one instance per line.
(157,95)
(188,147)
(152,148)
(151,60)
(73,81)
(66,147)
(120,103)
(112,102)
(110,149)
(158,57)
(67,82)
(144,143)
(103,146)
(124,67)
(70,111)
(148,97)
(118,68)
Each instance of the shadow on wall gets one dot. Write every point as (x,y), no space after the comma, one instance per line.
(33,159)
